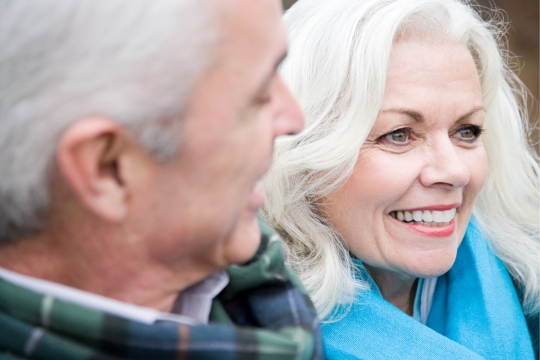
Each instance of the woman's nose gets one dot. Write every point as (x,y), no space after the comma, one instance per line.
(445,166)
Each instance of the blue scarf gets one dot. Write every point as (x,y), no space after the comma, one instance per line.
(475,314)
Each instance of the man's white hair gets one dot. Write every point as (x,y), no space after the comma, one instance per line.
(337,64)
(134,61)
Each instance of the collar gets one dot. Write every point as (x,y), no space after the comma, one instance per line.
(423,299)
(195,301)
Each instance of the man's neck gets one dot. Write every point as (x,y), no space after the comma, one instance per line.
(104,271)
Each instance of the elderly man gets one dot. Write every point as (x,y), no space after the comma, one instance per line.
(133,135)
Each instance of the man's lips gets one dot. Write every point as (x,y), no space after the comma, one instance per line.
(256,197)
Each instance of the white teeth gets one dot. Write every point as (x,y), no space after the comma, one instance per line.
(408,215)
(417,215)
(438,216)
(449,215)
(426,217)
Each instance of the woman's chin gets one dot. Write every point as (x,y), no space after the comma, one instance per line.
(433,266)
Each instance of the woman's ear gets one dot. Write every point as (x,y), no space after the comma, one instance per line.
(89,157)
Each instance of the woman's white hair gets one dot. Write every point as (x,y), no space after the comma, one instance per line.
(338,58)
(134,61)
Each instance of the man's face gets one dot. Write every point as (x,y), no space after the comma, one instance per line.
(236,111)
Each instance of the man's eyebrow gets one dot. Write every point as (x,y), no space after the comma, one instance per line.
(418,117)
(270,76)
(280,60)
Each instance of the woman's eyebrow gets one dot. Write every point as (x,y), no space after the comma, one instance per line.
(469,113)
(413,114)
(418,117)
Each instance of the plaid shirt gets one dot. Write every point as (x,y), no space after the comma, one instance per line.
(264,313)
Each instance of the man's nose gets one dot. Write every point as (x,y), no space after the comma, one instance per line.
(445,166)
(289,117)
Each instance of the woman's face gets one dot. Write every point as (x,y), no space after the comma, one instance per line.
(423,159)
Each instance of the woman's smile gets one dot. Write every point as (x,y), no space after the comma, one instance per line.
(428,221)
(430,228)
(425,217)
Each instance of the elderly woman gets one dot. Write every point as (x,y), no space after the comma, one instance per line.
(409,204)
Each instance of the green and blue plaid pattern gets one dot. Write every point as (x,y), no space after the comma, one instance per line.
(264,313)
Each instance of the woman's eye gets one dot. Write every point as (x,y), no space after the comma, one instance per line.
(466,133)
(397,137)
(469,132)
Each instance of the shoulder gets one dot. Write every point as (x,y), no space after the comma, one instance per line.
(265,293)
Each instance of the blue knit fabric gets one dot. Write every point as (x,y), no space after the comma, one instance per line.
(476,314)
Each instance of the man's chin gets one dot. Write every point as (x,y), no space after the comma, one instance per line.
(255,197)
(245,239)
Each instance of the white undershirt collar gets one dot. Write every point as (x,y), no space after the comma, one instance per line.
(424,299)
(192,306)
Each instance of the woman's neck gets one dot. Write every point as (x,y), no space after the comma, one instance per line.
(397,291)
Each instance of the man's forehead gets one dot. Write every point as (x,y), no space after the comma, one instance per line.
(252,33)
(250,18)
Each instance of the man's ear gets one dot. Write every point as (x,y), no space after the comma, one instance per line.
(89,156)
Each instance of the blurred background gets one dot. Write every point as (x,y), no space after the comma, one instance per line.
(524,39)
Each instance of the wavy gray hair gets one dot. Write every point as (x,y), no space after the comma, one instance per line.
(338,57)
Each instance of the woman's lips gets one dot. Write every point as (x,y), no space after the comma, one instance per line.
(256,197)
(431,231)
